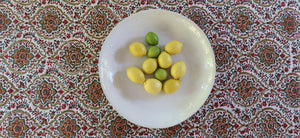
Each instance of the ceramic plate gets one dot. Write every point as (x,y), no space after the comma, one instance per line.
(131,100)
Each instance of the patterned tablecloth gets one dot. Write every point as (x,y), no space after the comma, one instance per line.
(49,83)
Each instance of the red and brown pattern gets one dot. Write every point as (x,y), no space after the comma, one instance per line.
(220,123)
(7,89)
(265,3)
(200,17)
(9,21)
(270,123)
(219,2)
(226,55)
(22,56)
(45,91)
(92,94)
(17,128)
(98,21)
(242,22)
(246,89)
(268,56)
(18,123)
(73,56)
(50,22)
(172,2)
(124,2)
(171,131)
(4,21)
(50,87)
(25,2)
(68,124)
(287,23)
(74,2)
(289,90)
(119,127)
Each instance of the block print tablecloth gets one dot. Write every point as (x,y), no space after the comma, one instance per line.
(49,83)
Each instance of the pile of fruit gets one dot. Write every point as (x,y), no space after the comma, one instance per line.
(158,62)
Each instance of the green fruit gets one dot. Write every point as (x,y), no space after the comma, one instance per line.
(151,38)
(161,74)
(153,51)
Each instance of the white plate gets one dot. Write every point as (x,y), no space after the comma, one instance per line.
(131,100)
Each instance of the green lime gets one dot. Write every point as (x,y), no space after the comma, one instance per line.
(161,74)
(151,38)
(153,52)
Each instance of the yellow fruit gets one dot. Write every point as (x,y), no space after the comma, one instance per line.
(149,65)
(173,47)
(153,86)
(164,60)
(178,70)
(137,49)
(171,86)
(135,74)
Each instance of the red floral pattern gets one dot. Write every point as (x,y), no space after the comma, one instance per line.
(22,56)
(7,89)
(94,91)
(219,123)
(243,22)
(4,21)
(17,128)
(50,22)
(267,55)
(200,17)
(289,91)
(220,126)
(99,22)
(119,127)
(222,55)
(269,125)
(225,54)
(245,89)
(2,91)
(49,77)
(265,2)
(45,92)
(289,23)
(171,131)
(293,90)
(25,2)
(9,21)
(73,56)
(68,128)
(91,94)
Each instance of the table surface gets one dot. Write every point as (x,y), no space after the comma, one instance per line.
(49,83)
